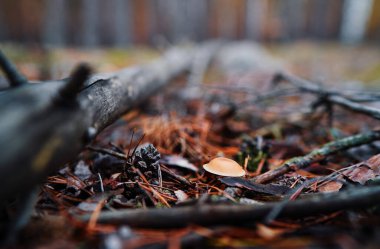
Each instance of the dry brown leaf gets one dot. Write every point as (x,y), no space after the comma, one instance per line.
(360,174)
(330,187)
(364,171)
(374,163)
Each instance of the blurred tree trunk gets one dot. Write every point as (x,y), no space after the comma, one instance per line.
(184,19)
(3,31)
(318,22)
(373,31)
(334,19)
(355,18)
(140,16)
(292,13)
(54,31)
(255,17)
(226,18)
(90,22)
(173,22)
(122,21)
(196,12)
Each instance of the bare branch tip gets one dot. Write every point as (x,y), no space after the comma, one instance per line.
(75,83)
(15,78)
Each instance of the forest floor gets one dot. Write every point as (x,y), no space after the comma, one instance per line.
(153,156)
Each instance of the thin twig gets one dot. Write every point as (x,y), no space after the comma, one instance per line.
(319,154)
(101,182)
(173,175)
(13,75)
(155,192)
(334,97)
(109,152)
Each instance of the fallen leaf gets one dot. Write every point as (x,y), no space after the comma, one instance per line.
(332,186)
(360,174)
(374,163)
(364,171)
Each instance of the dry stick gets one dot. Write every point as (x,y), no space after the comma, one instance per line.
(240,214)
(319,154)
(109,152)
(331,96)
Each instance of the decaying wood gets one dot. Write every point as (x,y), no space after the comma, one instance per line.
(206,214)
(45,125)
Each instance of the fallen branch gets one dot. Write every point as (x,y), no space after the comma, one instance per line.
(46,125)
(240,214)
(334,97)
(319,154)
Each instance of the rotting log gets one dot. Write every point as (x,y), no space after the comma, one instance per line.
(45,125)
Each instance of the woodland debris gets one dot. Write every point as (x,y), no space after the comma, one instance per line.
(319,154)
(361,173)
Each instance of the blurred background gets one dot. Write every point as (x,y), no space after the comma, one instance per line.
(320,39)
(90,23)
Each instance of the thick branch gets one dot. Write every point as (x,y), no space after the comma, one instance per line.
(39,134)
(15,78)
(319,154)
(238,214)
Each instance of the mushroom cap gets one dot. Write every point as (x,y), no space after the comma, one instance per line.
(224,167)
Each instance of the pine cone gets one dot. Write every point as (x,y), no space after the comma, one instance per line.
(146,159)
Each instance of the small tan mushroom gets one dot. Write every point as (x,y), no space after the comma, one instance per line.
(224,167)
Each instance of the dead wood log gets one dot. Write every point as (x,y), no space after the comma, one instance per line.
(45,125)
